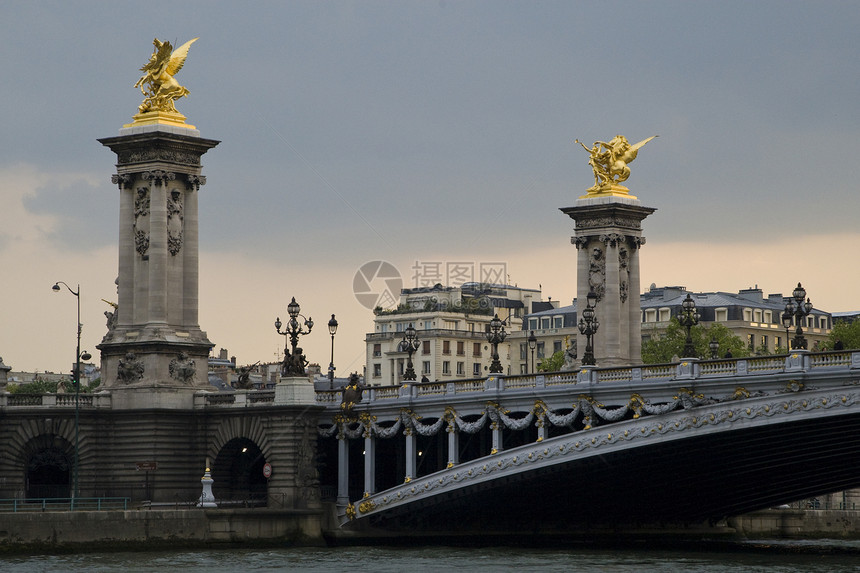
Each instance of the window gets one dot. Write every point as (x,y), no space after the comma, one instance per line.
(446,347)
(451,324)
(523,369)
(476,349)
(764,342)
(665,314)
(544,323)
(425,367)
(428,324)
(558,322)
(476,368)
(400,326)
(377,350)
(461,369)
(461,348)
(523,354)
(377,370)
(446,367)
(768,317)
(540,349)
(533,324)
(747,315)
(777,342)
(556,346)
(651,315)
(721,314)
(425,347)
(751,341)
(383,328)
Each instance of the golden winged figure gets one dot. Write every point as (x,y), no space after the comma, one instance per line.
(609,162)
(157,82)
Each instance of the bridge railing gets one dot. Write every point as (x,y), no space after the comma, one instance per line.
(686,369)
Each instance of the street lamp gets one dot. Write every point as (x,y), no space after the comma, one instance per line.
(77,383)
(332,328)
(588,326)
(786,323)
(532,344)
(715,348)
(800,310)
(409,344)
(688,319)
(495,335)
(294,361)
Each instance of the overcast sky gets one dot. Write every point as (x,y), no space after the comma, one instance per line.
(427,132)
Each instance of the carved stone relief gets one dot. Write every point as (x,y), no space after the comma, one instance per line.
(182,368)
(623,272)
(141,221)
(130,369)
(175,219)
(597,273)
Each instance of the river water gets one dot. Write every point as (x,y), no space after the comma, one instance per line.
(769,556)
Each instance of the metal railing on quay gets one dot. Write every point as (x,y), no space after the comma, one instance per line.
(64,504)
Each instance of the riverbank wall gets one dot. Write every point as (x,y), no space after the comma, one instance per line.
(153,528)
(34,531)
(787,523)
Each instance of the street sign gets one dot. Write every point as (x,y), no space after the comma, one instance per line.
(146,466)
(267,470)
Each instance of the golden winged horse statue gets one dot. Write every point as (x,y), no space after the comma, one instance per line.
(157,82)
(609,161)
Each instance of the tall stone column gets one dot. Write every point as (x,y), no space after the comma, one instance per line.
(607,236)
(155,354)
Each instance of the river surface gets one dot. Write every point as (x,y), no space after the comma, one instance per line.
(769,556)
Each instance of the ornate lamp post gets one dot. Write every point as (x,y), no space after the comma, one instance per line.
(786,323)
(332,328)
(77,383)
(715,348)
(800,310)
(495,335)
(409,344)
(688,319)
(532,344)
(588,326)
(294,361)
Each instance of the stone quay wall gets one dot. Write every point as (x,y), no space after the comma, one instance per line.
(798,524)
(153,528)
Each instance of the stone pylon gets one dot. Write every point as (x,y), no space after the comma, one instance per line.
(155,354)
(608,236)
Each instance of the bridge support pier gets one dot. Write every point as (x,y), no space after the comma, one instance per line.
(369,465)
(453,445)
(342,470)
(410,455)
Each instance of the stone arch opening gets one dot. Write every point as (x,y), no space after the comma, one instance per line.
(238,473)
(48,474)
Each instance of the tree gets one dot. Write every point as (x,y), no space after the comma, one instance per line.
(671,344)
(552,363)
(846,332)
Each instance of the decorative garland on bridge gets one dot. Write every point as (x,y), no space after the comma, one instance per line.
(585,409)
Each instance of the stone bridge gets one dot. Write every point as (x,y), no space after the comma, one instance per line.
(686,443)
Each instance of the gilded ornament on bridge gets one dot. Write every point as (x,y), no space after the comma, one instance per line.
(159,87)
(609,160)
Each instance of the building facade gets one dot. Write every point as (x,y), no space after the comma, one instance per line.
(451,325)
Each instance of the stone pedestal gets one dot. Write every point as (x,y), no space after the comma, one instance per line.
(154,339)
(294,391)
(608,235)
(207,498)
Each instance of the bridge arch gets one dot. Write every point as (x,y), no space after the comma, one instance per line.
(238,472)
(48,467)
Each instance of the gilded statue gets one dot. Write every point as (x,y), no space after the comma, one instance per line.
(157,82)
(608,160)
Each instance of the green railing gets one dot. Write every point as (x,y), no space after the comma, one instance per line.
(64,504)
